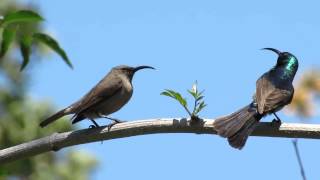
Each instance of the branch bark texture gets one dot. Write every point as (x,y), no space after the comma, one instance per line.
(58,141)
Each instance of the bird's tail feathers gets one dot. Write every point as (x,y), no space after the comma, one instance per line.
(77,117)
(238,125)
(54,117)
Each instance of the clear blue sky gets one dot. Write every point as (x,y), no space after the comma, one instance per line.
(214,42)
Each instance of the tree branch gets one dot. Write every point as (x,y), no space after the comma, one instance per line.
(296,149)
(57,141)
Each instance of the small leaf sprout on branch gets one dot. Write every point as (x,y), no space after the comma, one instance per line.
(199,103)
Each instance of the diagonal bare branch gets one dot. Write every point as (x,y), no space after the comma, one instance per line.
(296,150)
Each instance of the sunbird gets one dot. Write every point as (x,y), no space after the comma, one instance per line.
(274,90)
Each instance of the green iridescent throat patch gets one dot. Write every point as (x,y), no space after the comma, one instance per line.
(292,62)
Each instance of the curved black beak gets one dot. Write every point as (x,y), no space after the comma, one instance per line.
(272,49)
(142,67)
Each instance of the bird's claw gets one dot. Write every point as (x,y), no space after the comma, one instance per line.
(113,123)
(117,121)
(95,124)
(276,122)
(92,126)
(112,119)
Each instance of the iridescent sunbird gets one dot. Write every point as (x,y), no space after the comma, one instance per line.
(274,90)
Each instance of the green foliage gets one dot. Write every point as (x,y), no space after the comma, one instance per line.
(71,165)
(53,44)
(198,99)
(16,21)
(25,46)
(20,115)
(20,17)
(81,165)
(8,35)
(175,95)
(199,103)
(19,122)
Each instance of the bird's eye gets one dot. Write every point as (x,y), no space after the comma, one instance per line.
(284,56)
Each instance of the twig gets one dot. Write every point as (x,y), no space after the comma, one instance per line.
(296,149)
(185,107)
(134,128)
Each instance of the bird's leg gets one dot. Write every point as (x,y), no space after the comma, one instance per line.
(111,124)
(113,119)
(277,120)
(95,124)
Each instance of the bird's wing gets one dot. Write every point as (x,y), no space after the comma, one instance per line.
(270,98)
(106,88)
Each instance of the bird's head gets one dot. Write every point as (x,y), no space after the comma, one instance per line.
(130,71)
(285,59)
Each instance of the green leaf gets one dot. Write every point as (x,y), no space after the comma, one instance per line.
(20,16)
(165,93)
(178,97)
(199,98)
(200,107)
(7,38)
(175,95)
(53,44)
(192,93)
(199,94)
(181,99)
(25,47)
(171,92)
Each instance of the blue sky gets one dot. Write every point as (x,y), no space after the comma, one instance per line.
(214,42)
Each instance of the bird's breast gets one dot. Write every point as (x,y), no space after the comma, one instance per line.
(117,101)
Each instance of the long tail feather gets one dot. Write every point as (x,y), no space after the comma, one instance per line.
(53,118)
(77,117)
(238,125)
